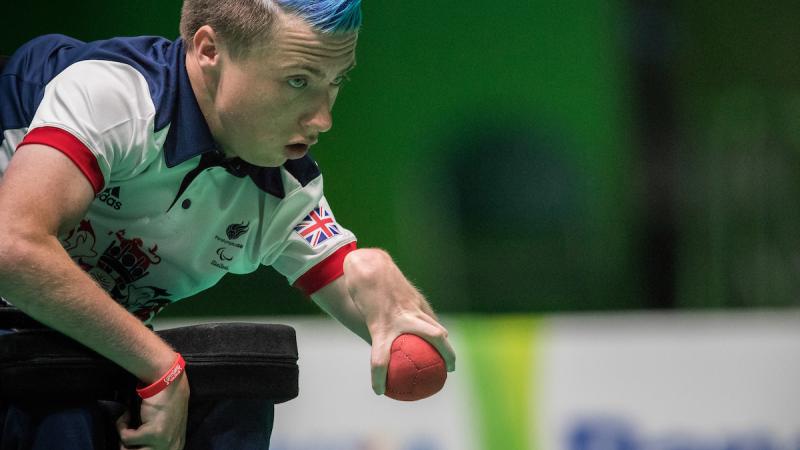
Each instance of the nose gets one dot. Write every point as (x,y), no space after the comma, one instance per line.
(320,119)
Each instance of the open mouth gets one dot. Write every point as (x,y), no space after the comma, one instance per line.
(296,151)
(297,147)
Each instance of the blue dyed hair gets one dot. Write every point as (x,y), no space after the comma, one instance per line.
(328,16)
(241,23)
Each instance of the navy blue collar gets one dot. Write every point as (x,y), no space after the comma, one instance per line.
(189,136)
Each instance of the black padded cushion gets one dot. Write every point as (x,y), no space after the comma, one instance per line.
(243,360)
(44,364)
(232,360)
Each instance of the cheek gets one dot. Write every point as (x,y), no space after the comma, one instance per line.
(238,103)
(258,111)
(280,113)
(242,96)
(244,114)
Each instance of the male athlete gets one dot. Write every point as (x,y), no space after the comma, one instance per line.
(138,171)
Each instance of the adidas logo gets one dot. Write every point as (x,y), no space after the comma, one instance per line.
(110,197)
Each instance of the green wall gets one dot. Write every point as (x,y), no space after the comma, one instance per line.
(738,79)
(430,76)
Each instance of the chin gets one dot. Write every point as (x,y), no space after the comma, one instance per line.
(256,158)
(266,162)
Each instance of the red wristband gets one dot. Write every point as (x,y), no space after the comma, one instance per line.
(159,385)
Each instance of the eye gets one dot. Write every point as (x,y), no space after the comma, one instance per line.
(298,83)
(339,80)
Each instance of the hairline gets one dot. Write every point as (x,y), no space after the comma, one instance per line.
(274,8)
(244,46)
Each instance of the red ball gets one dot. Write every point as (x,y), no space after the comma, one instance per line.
(416,369)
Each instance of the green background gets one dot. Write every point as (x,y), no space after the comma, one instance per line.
(489,149)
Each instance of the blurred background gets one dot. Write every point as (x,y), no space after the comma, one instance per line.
(547,155)
(529,160)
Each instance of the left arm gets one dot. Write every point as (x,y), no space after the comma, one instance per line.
(335,300)
(376,301)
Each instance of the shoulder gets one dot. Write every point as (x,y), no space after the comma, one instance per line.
(44,57)
(151,59)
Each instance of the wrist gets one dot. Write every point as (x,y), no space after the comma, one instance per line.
(168,377)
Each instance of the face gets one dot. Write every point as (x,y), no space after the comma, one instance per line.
(272,104)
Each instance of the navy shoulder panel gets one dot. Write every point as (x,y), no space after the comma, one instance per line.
(38,61)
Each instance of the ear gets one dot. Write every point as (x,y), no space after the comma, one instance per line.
(206,48)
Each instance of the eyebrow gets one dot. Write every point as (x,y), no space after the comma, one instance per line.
(318,72)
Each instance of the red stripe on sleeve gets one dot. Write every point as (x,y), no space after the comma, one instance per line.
(324,272)
(70,146)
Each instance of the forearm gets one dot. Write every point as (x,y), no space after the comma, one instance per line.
(378,288)
(39,277)
(335,300)
(371,290)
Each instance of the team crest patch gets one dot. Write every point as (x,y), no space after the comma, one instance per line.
(120,268)
(318,226)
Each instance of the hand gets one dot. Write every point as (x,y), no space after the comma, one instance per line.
(415,322)
(163,420)
(391,306)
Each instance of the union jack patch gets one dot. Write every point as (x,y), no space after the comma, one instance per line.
(318,226)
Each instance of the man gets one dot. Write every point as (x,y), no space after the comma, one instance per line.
(138,171)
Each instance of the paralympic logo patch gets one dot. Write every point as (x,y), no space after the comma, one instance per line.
(236,230)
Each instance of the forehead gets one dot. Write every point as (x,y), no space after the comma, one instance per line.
(295,42)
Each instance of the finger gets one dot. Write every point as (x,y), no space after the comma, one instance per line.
(123,420)
(437,336)
(429,319)
(448,354)
(379,363)
(132,438)
(379,379)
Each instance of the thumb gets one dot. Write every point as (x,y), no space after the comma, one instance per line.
(379,363)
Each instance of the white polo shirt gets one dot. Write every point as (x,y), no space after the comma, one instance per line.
(171,216)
